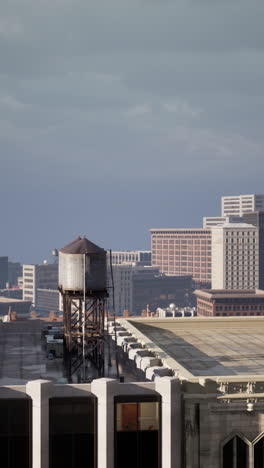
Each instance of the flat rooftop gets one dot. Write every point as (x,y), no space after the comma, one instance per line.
(203,230)
(22,355)
(229,293)
(7,300)
(216,346)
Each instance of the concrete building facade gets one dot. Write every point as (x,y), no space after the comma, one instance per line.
(235,256)
(14,272)
(48,299)
(257,219)
(160,290)
(222,303)
(43,276)
(137,286)
(14,293)
(19,306)
(128,256)
(200,406)
(182,252)
(3,272)
(124,294)
(121,295)
(211,221)
(240,204)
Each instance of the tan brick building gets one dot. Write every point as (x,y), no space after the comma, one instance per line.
(182,252)
(222,302)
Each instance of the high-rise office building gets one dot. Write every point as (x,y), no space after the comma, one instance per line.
(120,292)
(182,252)
(257,219)
(240,204)
(211,221)
(159,290)
(235,256)
(125,256)
(35,277)
(123,291)
(136,286)
(3,272)
(14,272)
(47,300)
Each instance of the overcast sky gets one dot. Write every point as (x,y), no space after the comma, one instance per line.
(121,115)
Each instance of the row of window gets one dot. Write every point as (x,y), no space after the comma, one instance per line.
(260,307)
(181,245)
(241,233)
(240,241)
(242,300)
(183,263)
(239,272)
(73,432)
(238,452)
(191,233)
(238,314)
(182,241)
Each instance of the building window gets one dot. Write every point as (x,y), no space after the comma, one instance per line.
(16,433)
(259,453)
(137,425)
(235,453)
(72,432)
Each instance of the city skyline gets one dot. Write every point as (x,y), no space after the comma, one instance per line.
(28,251)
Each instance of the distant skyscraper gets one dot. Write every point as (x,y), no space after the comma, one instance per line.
(257,219)
(124,287)
(3,272)
(182,252)
(136,286)
(235,256)
(14,272)
(211,221)
(120,298)
(239,204)
(38,277)
(158,290)
(138,256)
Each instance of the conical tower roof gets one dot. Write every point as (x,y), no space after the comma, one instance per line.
(81,245)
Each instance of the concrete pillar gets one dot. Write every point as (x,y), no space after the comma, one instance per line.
(171,423)
(192,436)
(104,389)
(40,391)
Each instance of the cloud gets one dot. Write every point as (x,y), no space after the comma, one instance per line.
(112,90)
(10,103)
(182,108)
(139,110)
(10,27)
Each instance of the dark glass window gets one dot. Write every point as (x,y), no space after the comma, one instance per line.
(137,425)
(259,454)
(16,433)
(72,432)
(235,453)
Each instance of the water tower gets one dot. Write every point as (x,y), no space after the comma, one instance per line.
(82,283)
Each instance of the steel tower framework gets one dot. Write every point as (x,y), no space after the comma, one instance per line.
(84,333)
